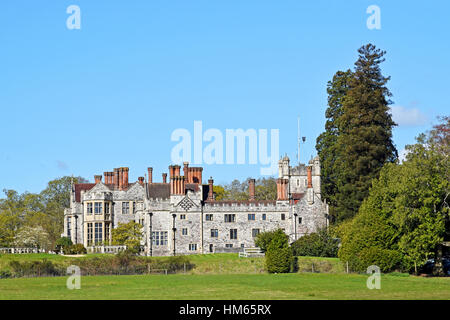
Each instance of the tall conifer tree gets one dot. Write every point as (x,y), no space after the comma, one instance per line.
(365,141)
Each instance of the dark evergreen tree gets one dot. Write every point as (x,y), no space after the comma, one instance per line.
(326,142)
(364,142)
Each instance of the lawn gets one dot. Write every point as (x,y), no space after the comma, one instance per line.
(228,286)
(224,276)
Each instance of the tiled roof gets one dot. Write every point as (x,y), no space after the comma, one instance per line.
(82,186)
(159,190)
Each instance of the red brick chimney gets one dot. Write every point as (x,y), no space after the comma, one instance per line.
(309,172)
(150,175)
(282,189)
(117,177)
(251,189)
(210,189)
(186,172)
(164,177)
(125,178)
(105,174)
(141,181)
(176,170)
(98,179)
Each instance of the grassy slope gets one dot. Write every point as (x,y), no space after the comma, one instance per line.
(220,263)
(231,286)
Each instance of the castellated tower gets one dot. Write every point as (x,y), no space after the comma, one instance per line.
(303,179)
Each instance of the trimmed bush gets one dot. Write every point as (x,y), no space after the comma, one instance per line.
(320,244)
(279,257)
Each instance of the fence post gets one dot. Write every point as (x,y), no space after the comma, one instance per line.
(347,266)
(312,267)
(184,267)
(165,271)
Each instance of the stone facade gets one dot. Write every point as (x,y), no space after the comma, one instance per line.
(182,217)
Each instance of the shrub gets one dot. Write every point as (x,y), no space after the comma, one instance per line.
(320,244)
(75,249)
(264,238)
(279,257)
(387,260)
(62,244)
(5,274)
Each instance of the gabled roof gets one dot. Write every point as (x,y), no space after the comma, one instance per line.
(82,186)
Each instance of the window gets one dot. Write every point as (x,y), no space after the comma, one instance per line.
(255,232)
(229,245)
(264,216)
(182,217)
(106,207)
(125,207)
(230,218)
(184,231)
(242,245)
(98,233)
(192,247)
(89,207)
(98,208)
(107,230)
(89,234)
(134,207)
(214,233)
(233,234)
(68,226)
(159,238)
(283,216)
(299,220)
(209,217)
(251,216)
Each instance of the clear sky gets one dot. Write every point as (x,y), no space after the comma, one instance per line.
(110,94)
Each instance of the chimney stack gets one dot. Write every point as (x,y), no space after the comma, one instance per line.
(141,181)
(186,171)
(251,189)
(150,174)
(117,177)
(125,178)
(98,179)
(309,172)
(106,175)
(164,177)
(210,189)
(282,189)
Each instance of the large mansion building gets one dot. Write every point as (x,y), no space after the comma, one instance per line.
(182,216)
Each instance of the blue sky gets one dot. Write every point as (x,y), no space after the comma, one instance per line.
(110,94)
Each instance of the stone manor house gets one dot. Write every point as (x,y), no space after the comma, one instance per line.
(182,216)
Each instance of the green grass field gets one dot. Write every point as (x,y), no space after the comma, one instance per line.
(231,286)
(225,276)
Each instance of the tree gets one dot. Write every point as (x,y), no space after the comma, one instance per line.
(279,257)
(220,193)
(326,143)
(364,143)
(34,237)
(406,211)
(129,234)
(55,198)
